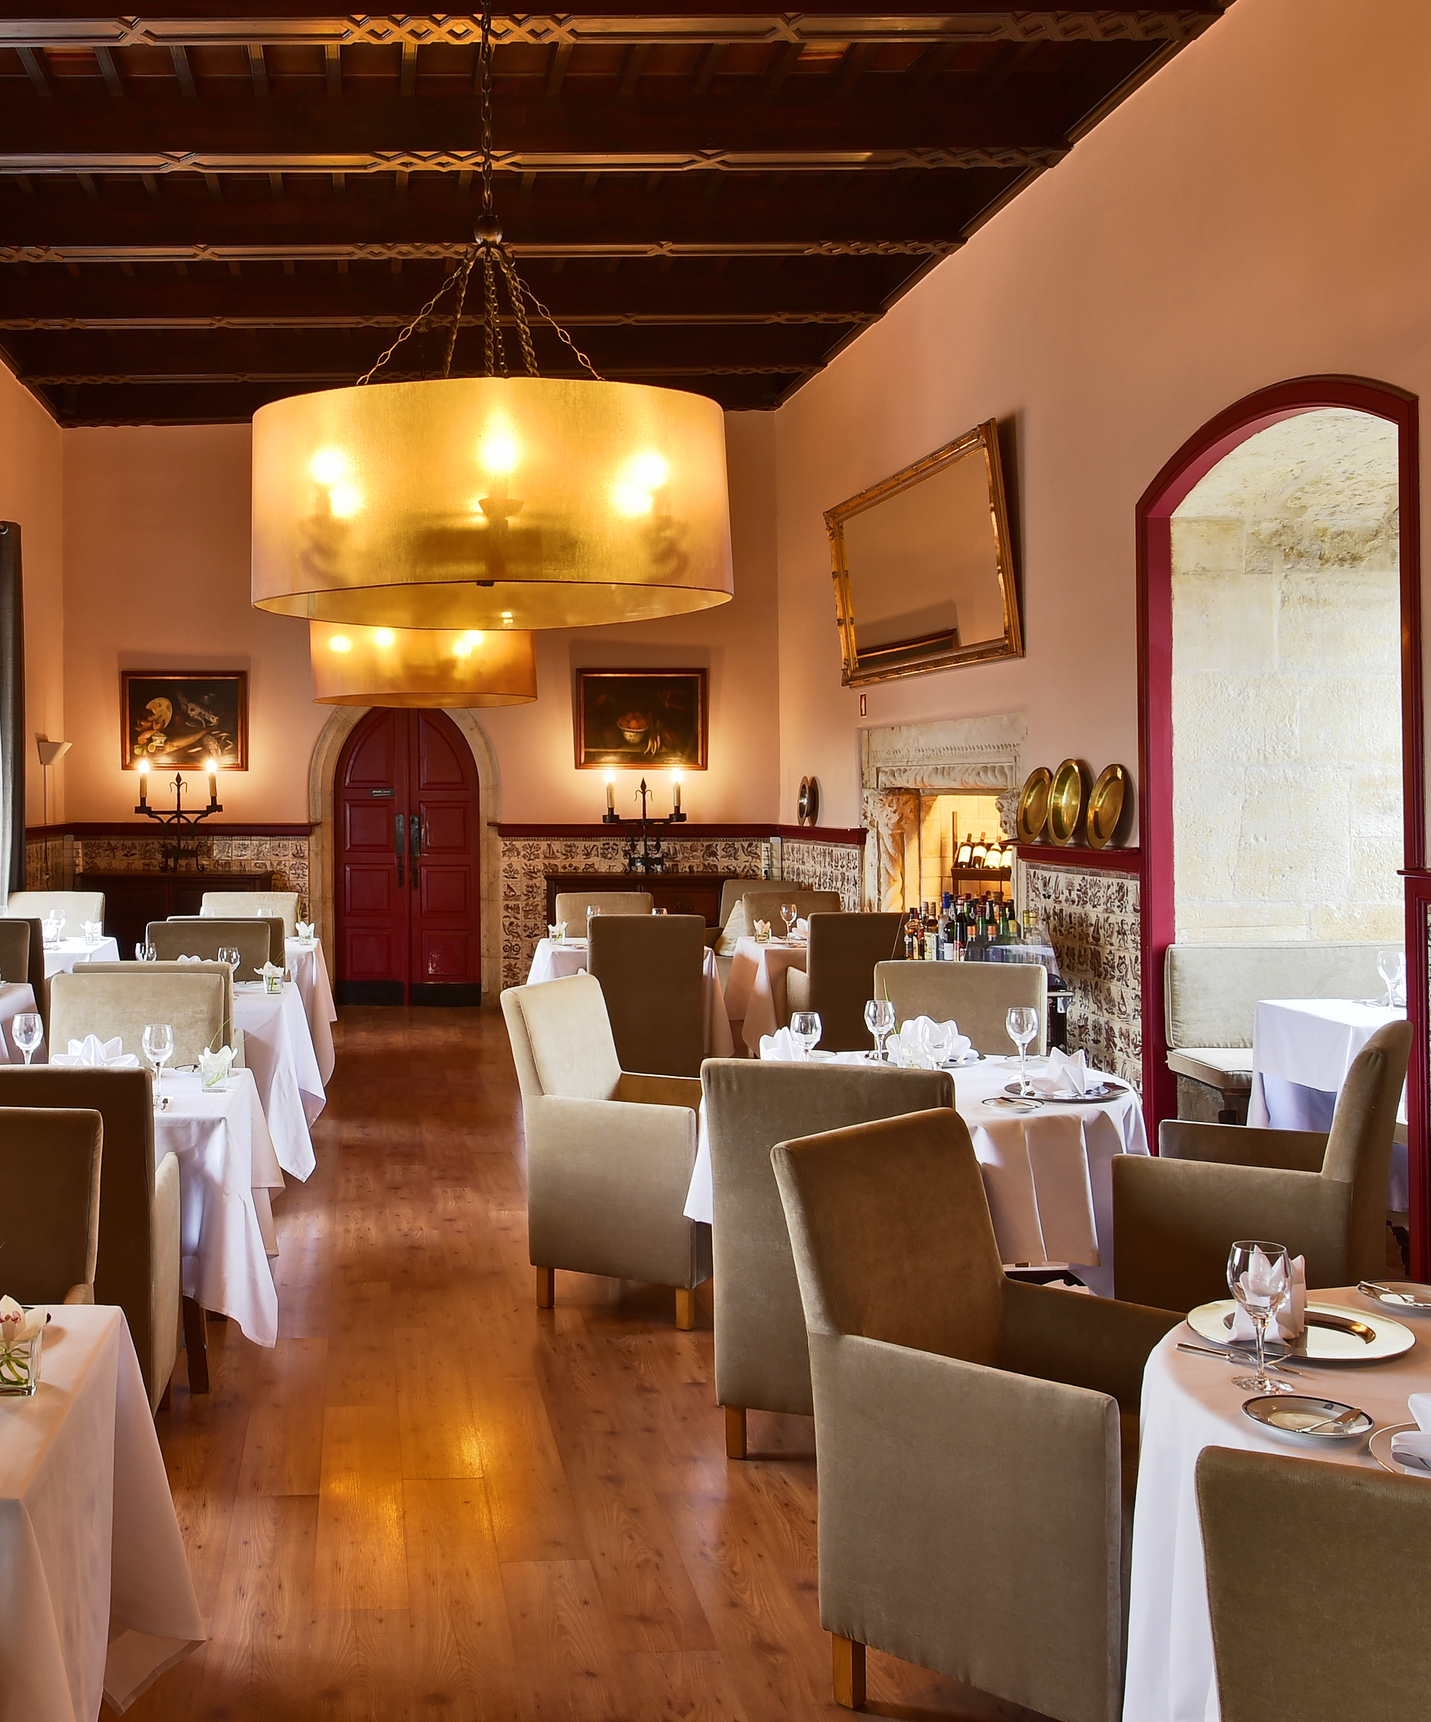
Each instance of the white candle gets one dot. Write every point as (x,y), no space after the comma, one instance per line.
(676,793)
(213,769)
(611,795)
(144,783)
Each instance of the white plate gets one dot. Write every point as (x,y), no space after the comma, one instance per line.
(1279,1414)
(1340,1337)
(1380,1448)
(1403,1297)
(1107,1090)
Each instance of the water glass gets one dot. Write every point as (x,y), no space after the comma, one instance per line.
(806,1029)
(27,1031)
(144,952)
(1391,966)
(1022,1024)
(158,1046)
(879,1020)
(790,914)
(1260,1278)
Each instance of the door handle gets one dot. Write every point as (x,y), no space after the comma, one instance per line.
(414,835)
(399,836)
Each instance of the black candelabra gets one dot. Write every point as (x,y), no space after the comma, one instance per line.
(173,853)
(650,859)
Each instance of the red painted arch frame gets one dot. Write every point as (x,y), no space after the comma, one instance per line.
(1194,460)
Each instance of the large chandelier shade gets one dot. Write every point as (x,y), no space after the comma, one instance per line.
(421,667)
(490,503)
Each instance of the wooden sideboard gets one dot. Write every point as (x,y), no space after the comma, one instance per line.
(676,893)
(133,900)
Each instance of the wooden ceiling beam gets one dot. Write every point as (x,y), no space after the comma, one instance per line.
(33,60)
(36,132)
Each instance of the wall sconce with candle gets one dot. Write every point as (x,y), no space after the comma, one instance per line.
(650,858)
(173,853)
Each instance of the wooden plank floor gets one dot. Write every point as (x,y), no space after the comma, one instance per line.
(432,1501)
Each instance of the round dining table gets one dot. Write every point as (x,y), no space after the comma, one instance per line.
(1048,1173)
(1190,1402)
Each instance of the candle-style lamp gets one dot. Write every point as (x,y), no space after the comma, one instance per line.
(173,853)
(676,793)
(650,859)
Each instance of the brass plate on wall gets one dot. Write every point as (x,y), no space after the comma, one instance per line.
(1065,805)
(1105,805)
(1033,804)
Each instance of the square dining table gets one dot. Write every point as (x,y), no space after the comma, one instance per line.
(95,1588)
(755,986)
(278,1049)
(64,957)
(309,968)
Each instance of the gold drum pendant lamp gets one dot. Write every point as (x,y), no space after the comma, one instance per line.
(421,666)
(493,501)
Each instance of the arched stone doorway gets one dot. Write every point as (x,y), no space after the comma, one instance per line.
(322,847)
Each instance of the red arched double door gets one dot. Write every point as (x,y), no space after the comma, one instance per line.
(406,816)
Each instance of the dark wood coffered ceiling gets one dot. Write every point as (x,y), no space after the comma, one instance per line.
(201,212)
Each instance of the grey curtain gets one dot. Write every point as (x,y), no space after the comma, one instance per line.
(12,711)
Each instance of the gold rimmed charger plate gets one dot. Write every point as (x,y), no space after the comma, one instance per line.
(1380,1446)
(1065,802)
(1334,1335)
(1105,805)
(1033,804)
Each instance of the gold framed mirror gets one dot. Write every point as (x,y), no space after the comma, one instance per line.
(924,578)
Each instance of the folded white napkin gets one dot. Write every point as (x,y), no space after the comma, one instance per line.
(931,1042)
(1413,1448)
(192,959)
(92,1053)
(1291,1320)
(802,927)
(781,1045)
(762,929)
(1066,1076)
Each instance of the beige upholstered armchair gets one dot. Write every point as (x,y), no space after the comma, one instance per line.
(574,906)
(1343,1540)
(139,1263)
(111,999)
(1324,1197)
(609,1154)
(22,958)
(975,1485)
(240,905)
(253,937)
(761,1357)
(51,1231)
(651,970)
(76,906)
(838,977)
(977,996)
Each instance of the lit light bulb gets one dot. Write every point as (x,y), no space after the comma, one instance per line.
(384,636)
(461,648)
(631,500)
(506,618)
(329,466)
(498,451)
(650,471)
(344,501)
(340,643)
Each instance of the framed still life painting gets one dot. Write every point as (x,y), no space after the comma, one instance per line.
(641,718)
(181,719)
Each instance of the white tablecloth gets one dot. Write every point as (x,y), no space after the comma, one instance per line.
(227,1169)
(1048,1174)
(1190,1403)
(15,996)
(95,1590)
(1302,1050)
(62,958)
(552,961)
(278,1049)
(310,973)
(755,986)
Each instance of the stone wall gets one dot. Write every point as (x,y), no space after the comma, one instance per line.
(1286,687)
(1093,921)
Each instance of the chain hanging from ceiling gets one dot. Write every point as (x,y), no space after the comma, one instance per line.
(495,259)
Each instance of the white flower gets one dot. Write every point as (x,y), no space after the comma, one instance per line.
(18,1324)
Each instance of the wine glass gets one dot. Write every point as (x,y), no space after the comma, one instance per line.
(879,1020)
(1022,1024)
(790,914)
(806,1028)
(1260,1277)
(158,1046)
(144,952)
(28,1031)
(1391,966)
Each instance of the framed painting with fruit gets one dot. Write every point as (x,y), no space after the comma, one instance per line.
(640,718)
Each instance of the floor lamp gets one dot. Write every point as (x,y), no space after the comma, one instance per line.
(50,751)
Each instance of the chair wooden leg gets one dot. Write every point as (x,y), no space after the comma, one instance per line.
(167,1397)
(685,1309)
(849,1661)
(196,1343)
(735,1431)
(546,1287)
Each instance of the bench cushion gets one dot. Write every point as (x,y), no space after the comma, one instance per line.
(1211,991)
(1226,1067)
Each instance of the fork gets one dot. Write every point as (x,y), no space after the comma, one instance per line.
(1242,1358)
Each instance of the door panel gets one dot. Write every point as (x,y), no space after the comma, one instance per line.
(408,818)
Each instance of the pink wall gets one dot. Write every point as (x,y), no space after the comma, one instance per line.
(1256,212)
(157,577)
(31,484)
